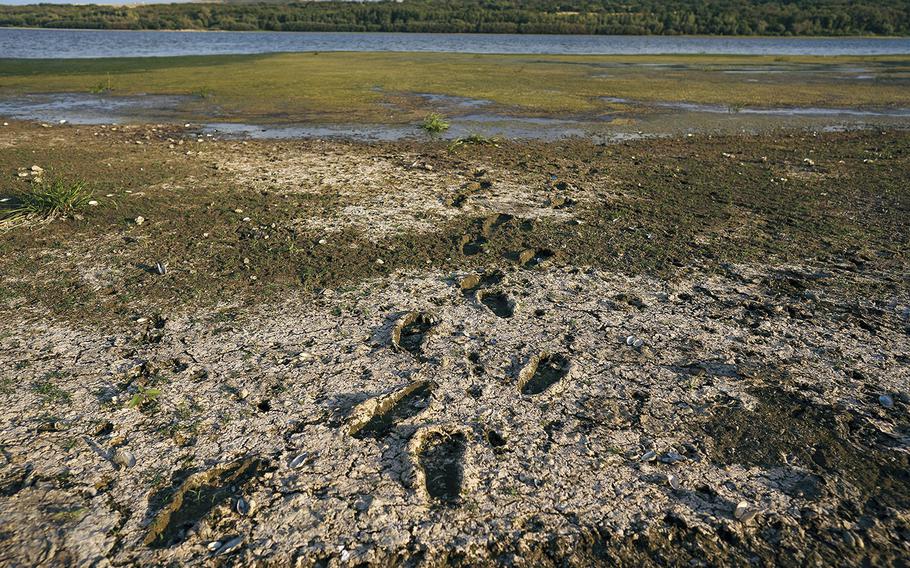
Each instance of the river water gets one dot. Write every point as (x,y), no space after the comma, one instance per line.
(66,44)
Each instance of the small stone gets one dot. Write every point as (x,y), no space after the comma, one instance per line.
(322,241)
(673,481)
(161,268)
(298,461)
(741,509)
(37,169)
(231,545)
(886,401)
(139,220)
(243,506)
(124,458)
(630,340)
(214,545)
(650,455)
(380,261)
(93,203)
(638,343)
(238,210)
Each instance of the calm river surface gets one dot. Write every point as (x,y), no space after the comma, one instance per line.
(66,44)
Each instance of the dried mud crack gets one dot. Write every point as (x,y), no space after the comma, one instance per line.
(683,367)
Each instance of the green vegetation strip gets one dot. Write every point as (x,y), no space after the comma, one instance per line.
(384,87)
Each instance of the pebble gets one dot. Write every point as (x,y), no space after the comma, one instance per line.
(214,545)
(673,481)
(139,220)
(741,509)
(298,461)
(93,203)
(886,401)
(124,458)
(161,268)
(243,507)
(649,456)
(231,545)
(380,261)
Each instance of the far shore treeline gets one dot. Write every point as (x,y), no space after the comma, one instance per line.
(646,17)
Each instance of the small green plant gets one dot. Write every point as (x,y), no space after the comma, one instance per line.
(434,123)
(49,392)
(144,398)
(204,92)
(474,140)
(47,201)
(103,87)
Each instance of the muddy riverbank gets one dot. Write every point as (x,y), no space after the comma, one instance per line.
(687,350)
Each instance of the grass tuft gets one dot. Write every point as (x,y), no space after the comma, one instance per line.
(474,140)
(434,123)
(45,202)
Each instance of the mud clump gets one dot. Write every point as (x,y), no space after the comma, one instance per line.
(440,456)
(542,372)
(197,496)
(376,418)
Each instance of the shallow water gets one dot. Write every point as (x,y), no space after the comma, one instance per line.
(467,117)
(65,44)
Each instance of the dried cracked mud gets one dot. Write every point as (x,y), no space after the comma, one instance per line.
(528,410)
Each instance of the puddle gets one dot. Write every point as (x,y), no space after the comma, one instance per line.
(83,108)
(771,111)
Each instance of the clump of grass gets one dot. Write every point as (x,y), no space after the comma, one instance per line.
(474,140)
(434,123)
(46,201)
(49,392)
(204,92)
(101,87)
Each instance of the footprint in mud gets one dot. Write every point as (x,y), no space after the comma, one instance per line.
(376,417)
(493,222)
(412,331)
(559,201)
(533,258)
(542,372)
(466,192)
(498,302)
(195,496)
(440,456)
(471,246)
(472,282)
